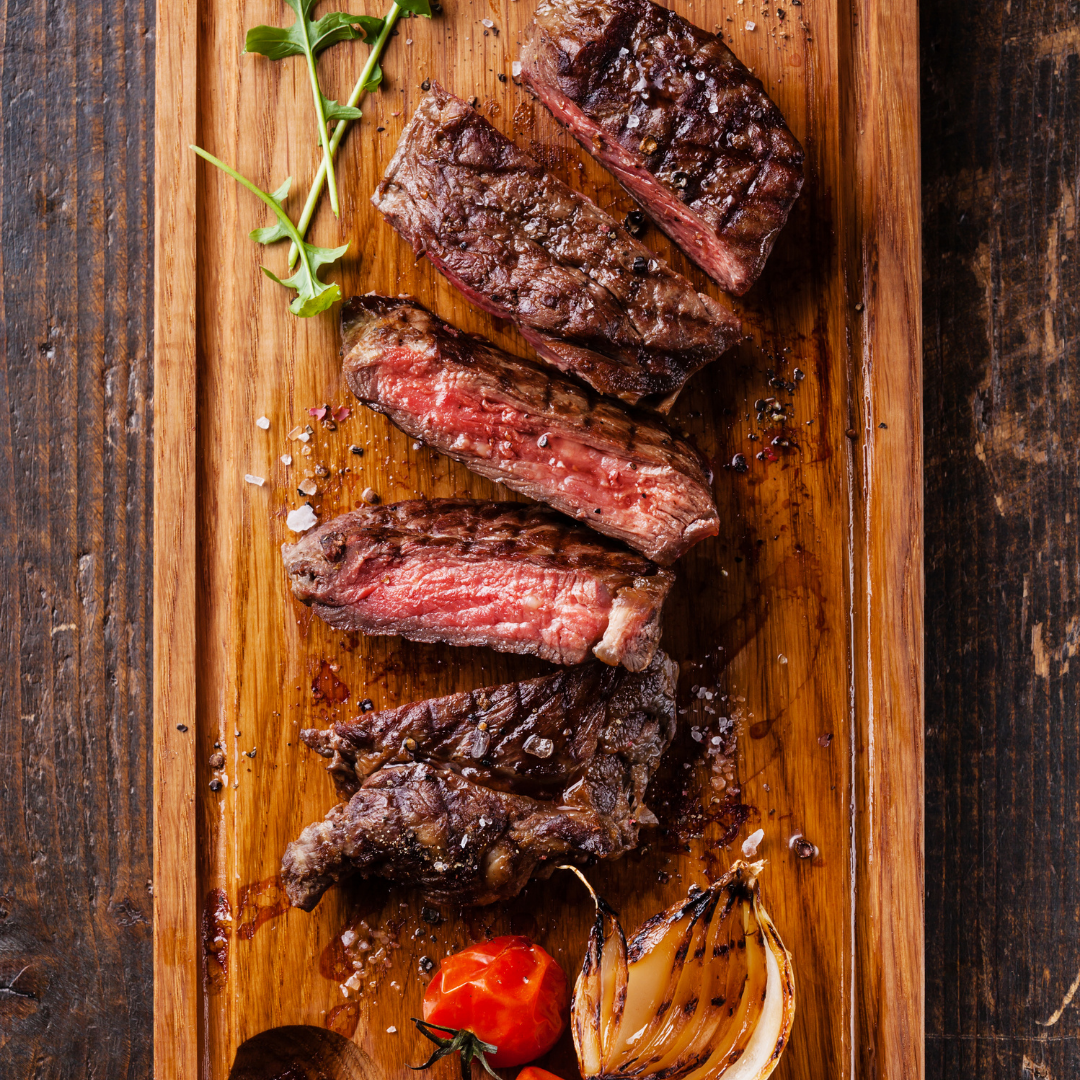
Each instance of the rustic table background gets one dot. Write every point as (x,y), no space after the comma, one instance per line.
(1001,184)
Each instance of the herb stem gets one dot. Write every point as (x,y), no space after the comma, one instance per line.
(326,167)
(290,228)
(320,113)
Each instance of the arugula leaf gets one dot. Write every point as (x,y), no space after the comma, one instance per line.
(313,295)
(369,79)
(308,38)
(334,111)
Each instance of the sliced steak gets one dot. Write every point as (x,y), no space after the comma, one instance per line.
(539,738)
(472,829)
(523,246)
(685,128)
(623,473)
(513,577)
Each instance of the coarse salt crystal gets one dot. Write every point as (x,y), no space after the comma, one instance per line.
(391,1030)
(304,437)
(286,459)
(750,25)
(348,938)
(713,108)
(488,23)
(301,519)
(633,121)
(308,487)
(752,842)
(295,433)
(515,68)
(263,422)
(408,41)
(258,481)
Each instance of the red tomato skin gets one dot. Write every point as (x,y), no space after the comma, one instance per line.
(534,1072)
(508,991)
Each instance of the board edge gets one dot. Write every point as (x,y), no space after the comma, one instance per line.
(176,906)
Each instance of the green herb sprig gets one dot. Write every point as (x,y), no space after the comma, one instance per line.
(307,37)
(312,295)
(369,79)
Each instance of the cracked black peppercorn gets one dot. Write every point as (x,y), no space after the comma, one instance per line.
(641,264)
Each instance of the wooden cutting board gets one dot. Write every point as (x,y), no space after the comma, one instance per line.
(801,622)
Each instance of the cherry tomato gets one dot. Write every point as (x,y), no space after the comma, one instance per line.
(534,1072)
(508,992)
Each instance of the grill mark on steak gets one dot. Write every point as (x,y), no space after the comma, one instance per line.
(474,831)
(513,577)
(637,85)
(539,433)
(522,245)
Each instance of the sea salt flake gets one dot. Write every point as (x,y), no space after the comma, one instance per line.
(286,459)
(301,519)
(515,68)
(263,422)
(752,843)
(258,481)
(633,121)
(538,747)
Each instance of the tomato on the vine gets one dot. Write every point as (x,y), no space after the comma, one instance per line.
(508,993)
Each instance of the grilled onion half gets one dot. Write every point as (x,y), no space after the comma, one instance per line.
(703,990)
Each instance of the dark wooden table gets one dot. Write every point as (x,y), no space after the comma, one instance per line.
(1001,161)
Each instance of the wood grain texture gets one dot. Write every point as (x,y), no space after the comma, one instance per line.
(177,963)
(1001,143)
(76,109)
(811,597)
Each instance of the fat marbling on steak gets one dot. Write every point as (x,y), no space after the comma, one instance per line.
(623,472)
(523,246)
(686,129)
(471,795)
(514,577)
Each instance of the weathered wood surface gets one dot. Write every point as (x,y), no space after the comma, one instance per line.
(76,124)
(812,596)
(1001,155)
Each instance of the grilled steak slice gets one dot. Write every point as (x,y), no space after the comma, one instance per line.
(523,246)
(686,129)
(514,577)
(472,825)
(624,474)
(541,734)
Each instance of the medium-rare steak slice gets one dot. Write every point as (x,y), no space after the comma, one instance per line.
(514,577)
(623,473)
(686,129)
(471,823)
(523,246)
(539,738)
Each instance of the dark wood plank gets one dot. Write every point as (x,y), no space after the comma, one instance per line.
(1001,153)
(76,109)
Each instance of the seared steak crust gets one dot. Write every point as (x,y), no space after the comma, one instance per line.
(524,246)
(687,130)
(623,473)
(469,813)
(513,577)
